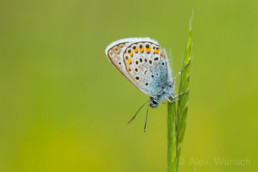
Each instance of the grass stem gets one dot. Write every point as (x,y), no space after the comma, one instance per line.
(177,113)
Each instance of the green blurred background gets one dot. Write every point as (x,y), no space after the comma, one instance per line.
(64,107)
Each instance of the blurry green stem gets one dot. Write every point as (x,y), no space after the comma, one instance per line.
(172,153)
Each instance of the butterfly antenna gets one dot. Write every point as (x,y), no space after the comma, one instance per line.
(137,112)
(145,126)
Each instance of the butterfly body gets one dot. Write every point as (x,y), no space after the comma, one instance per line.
(145,65)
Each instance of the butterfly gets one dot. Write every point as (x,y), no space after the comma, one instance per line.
(146,66)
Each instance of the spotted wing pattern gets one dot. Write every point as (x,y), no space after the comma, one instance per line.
(114,53)
(146,66)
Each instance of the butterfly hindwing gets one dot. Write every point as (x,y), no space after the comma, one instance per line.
(114,53)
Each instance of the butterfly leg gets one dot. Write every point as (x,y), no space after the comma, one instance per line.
(171,101)
(173,98)
(178,95)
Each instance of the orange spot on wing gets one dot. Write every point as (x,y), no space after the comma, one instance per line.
(162,54)
(157,51)
(128,68)
(141,50)
(148,49)
(129,61)
(131,54)
(136,50)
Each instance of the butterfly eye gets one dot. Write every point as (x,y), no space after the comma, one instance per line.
(154,102)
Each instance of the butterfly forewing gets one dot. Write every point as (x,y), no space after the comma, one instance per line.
(146,65)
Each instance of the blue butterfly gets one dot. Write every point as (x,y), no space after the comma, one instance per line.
(146,66)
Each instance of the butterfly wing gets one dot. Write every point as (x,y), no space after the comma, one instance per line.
(115,52)
(142,62)
(147,66)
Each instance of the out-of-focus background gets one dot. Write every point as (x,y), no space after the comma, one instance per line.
(64,107)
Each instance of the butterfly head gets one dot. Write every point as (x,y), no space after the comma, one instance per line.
(168,91)
(153,102)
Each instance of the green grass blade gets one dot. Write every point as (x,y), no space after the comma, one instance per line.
(182,106)
(176,119)
(172,154)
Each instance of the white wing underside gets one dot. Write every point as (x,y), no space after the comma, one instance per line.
(116,55)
